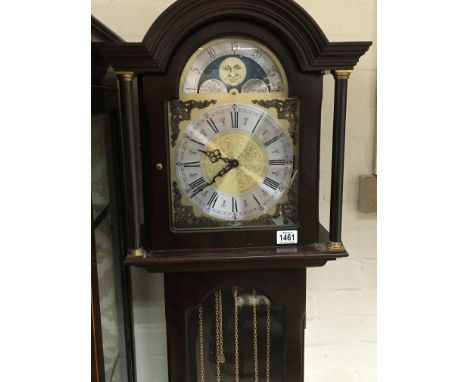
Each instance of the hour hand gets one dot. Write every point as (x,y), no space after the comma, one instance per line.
(214,155)
(233,163)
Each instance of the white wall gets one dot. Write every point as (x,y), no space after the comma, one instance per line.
(341,297)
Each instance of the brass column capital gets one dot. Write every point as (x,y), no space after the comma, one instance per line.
(342,74)
(125,76)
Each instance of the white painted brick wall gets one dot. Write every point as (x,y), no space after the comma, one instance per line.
(341,297)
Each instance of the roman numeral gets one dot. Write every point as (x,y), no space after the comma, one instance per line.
(235,119)
(197,183)
(211,52)
(212,125)
(257,123)
(214,198)
(277,162)
(259,204)
(234,205)
(271,183)
(199,143)
(191,164)
(198,186)
(271,141)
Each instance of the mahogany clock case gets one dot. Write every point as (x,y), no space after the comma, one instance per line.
(155,90)
(198,264)
(185,291)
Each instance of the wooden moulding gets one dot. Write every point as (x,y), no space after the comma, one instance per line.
(315,255)
(183,18)
(214,259)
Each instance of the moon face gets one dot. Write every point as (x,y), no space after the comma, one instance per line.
(232,71)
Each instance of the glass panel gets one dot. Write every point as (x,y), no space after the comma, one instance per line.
(99,167)
(236,333)
(110,300)
(233,138)
(235,166)
(107,253)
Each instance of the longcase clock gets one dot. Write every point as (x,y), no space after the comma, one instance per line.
(223,188)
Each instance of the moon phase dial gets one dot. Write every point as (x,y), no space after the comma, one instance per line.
(233,65)
(234,162)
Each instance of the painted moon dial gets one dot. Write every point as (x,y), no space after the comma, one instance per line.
(233,63)
(234,162)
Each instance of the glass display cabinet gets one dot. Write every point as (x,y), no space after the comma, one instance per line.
(112,332)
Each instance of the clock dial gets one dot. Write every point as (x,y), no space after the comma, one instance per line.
(233,65)
(234,162)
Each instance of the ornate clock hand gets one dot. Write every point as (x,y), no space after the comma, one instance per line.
(233,163)
(263,166)
(214,155)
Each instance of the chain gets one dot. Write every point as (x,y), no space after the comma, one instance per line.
(218,367)
(202,353)
(255,343)
(220,309)
(219,333)
(268,325)
(236,335)
(219,326)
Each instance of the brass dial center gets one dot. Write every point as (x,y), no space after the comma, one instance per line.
(251,162)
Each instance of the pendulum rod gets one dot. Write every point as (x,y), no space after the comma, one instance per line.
(202,352)
(255,343)
(268,326)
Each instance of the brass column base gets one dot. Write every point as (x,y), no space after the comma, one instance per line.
(137,252)
(335,246)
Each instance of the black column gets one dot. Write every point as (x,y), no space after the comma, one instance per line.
(133,195)
(339,124)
